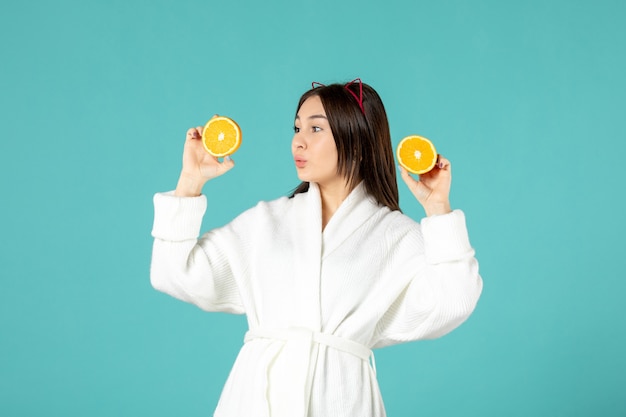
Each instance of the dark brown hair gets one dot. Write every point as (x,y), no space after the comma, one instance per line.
(363,140)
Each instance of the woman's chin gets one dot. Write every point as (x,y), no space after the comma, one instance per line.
(303,178)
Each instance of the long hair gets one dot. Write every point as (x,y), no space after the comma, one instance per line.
(363,140)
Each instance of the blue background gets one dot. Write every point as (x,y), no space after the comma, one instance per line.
(526,98)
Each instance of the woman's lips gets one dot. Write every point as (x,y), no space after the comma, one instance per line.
(300,162)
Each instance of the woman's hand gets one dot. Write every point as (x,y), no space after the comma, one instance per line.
(433,188)
(198,165)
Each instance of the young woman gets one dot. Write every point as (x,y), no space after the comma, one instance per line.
(325,275)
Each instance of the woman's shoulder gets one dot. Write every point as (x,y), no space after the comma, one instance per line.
(397,226)
(278,204)
(398,220)
(265,210)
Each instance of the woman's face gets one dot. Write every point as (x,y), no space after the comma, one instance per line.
(313,146)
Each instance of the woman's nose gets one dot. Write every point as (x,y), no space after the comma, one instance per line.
(297,142)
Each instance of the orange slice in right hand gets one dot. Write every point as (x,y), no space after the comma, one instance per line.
(221,136)
(417,154)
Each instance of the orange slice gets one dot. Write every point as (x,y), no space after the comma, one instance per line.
(221,136)
(417,154)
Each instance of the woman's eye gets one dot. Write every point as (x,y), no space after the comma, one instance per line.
(316,129)
(296,129)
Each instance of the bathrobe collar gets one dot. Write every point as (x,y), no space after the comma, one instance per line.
(355,210)
(313,245)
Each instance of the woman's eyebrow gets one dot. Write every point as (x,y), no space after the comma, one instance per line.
(315,116)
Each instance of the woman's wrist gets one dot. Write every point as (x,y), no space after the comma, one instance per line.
(435,209)
(189,186)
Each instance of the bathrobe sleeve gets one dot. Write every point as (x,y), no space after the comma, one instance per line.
(192,269)
(444,284)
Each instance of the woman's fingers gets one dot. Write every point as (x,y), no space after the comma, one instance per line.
(192,133)
(419,190)
(227,163)
(405,176)
(442,163)
(195,132)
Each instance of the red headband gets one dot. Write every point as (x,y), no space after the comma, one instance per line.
(359,98)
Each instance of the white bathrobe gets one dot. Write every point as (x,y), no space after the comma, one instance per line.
(316,301)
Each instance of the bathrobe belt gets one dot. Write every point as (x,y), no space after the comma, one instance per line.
(301,346)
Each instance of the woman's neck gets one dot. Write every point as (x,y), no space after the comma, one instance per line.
(332,195)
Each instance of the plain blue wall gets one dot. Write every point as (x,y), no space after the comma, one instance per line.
(526,98)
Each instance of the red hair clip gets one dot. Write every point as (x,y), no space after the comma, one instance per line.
(359,98)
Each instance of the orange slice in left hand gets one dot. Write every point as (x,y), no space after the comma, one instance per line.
(417,154)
